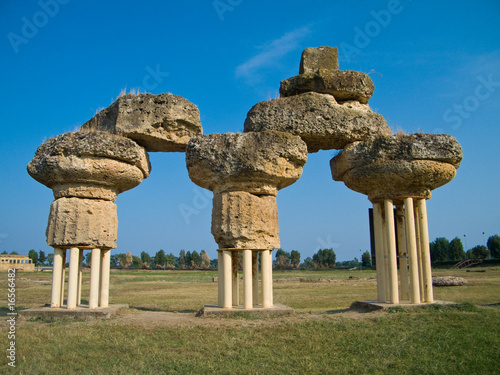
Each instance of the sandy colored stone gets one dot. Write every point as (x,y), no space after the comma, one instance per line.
(245,221)
(260,163)
(89,165)
(162,122)
(315,58)
(88,223)
(318,119)
(342,84)
(398,166)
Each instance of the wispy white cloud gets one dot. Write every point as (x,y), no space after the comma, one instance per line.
(272,52)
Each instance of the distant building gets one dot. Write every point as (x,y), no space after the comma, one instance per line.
(19,262)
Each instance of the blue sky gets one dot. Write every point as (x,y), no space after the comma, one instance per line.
(435,65)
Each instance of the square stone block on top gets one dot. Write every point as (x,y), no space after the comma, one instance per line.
(162,122)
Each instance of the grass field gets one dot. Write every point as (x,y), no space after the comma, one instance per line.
(159,332)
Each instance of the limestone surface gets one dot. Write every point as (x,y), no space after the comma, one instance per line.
(89,165)
(162,122)
(342,84)
(318,119)
(314,58)
(245,221)
(260,163)
(83,223)
(397,166)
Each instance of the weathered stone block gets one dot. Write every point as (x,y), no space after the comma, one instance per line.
(162,122)
(314,58)
(342,84)
(260,163)
(85,223)
(245,221)
(89,165)
(398,166)
(318,119)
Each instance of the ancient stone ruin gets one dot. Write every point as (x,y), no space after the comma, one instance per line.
(322,108)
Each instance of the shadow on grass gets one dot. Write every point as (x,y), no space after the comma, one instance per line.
(340,311)
(142,308)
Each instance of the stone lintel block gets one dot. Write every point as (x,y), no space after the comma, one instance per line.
(315,58)
(342,84)
(403,165)
(318,119)
(83,223)
(163,122)
(241,220)
(261,163)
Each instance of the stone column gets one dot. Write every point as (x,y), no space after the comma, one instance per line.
(245,172)
(95,273)
(104,293)
(379,251)
(247,279)
(267,282)
(63,275)
(391,247)
(235,280)
(255,277)
(227,280)
(80,274)
(426,254)
(392,168)
(86,171)
(74,259)
(220,279)
(412,251)
(57,270)
(419,252)
(402,254)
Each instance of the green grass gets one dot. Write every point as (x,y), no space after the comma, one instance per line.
(451,339)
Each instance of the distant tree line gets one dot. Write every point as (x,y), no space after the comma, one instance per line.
(442,250)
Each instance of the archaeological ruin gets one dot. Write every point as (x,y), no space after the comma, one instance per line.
(322,108)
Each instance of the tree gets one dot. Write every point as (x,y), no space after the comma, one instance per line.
(14,253)
(494,246)
(182,259)
(295,258)
(160,259)
(41,257)
(205,259)
(33,255)
(366,259)
(4,252)
(123,260)
(88,258)
(456,250)
(308,263)
(136,262)
(195,260)
(479,252)
(50,259)
(172,261)
(146,259)
(282,258)
(324,258)
(440,249)
(214,263)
